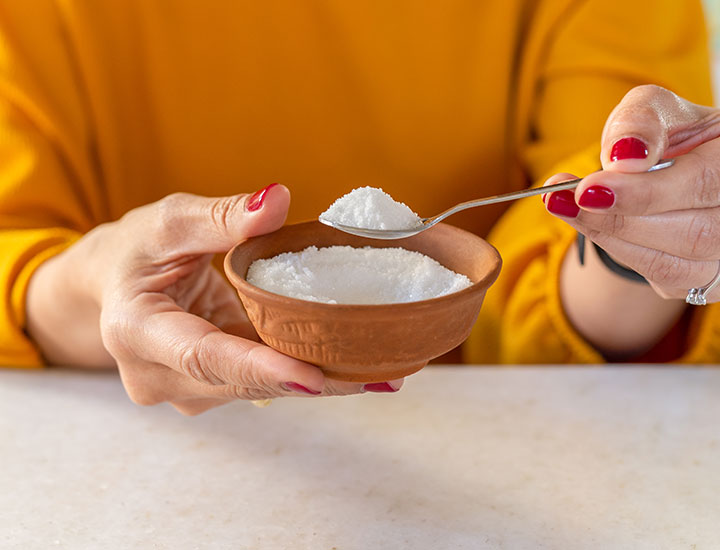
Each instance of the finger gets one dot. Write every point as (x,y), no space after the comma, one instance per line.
(651,123)
(561,203)
(194,405)
(692,183)
(185,225)
(391,386)
(179,388)
(145,387)
(689,234)
(150,384)
(147,384)
(152,328)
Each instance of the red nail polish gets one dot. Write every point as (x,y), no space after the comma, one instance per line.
(628,148)
(256,201)
(294,386)
(562,203)
(379,387)
(597,196)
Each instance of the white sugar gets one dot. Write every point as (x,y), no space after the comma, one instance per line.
(347,275)
(371,208)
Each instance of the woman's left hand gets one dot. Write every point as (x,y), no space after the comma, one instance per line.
(665,224)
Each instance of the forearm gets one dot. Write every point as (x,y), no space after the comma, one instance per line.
(618,317)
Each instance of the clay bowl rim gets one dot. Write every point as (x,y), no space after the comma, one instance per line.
(241,284)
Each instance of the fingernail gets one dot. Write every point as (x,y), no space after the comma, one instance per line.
(562,203)
(294,386)
(628,148)
(256,201)
(597,196)
(379,387)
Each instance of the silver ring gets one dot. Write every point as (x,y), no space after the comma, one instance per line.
(696,296)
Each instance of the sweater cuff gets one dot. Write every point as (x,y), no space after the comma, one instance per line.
(26,250)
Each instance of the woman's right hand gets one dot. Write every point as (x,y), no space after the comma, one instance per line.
(141,293)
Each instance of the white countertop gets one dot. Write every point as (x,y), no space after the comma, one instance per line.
(463,457)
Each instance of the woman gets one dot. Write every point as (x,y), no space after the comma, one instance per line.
(107,113)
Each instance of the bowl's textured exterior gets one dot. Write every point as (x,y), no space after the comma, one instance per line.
(366,343)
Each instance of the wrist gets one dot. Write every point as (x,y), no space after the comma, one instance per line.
(62,316)
(620,318)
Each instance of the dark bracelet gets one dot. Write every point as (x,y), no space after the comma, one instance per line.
(612,265)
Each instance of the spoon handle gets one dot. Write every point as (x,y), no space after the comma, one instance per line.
(570,184)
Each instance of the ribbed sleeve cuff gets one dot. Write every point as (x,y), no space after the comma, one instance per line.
(23,252)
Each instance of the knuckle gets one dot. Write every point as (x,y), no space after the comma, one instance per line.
(643,107)
(666,294)
(595,235)
(143,397)
(251,378)
(168,217)
(239,392)
(647,92)
(701,236)
(646,199)
(255,384)
(138,389)
(173,202)
(195,360)
(612,224)
(707,183)
(250,393)
(253,371)
(222,211)
(634,107)
(115,331)
(195,407)
(135,215)
(649,98)
(667,270)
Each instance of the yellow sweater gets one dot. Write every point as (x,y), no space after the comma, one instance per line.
(105,106)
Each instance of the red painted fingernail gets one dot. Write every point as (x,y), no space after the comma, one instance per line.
(628,148)
(256,201)
(597,196)
(379,387)
(294,386)
(562,203)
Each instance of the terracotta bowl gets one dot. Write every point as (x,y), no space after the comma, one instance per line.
(366,343)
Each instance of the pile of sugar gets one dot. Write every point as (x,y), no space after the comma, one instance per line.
(370,208)
(347,275)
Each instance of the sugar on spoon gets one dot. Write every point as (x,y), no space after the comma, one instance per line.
(426,223)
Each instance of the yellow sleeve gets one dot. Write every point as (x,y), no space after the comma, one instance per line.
(584,59)
(49,192)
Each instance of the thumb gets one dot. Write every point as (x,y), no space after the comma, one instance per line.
(651,123)
(203,225)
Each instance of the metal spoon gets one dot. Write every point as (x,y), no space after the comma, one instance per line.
(427,223)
